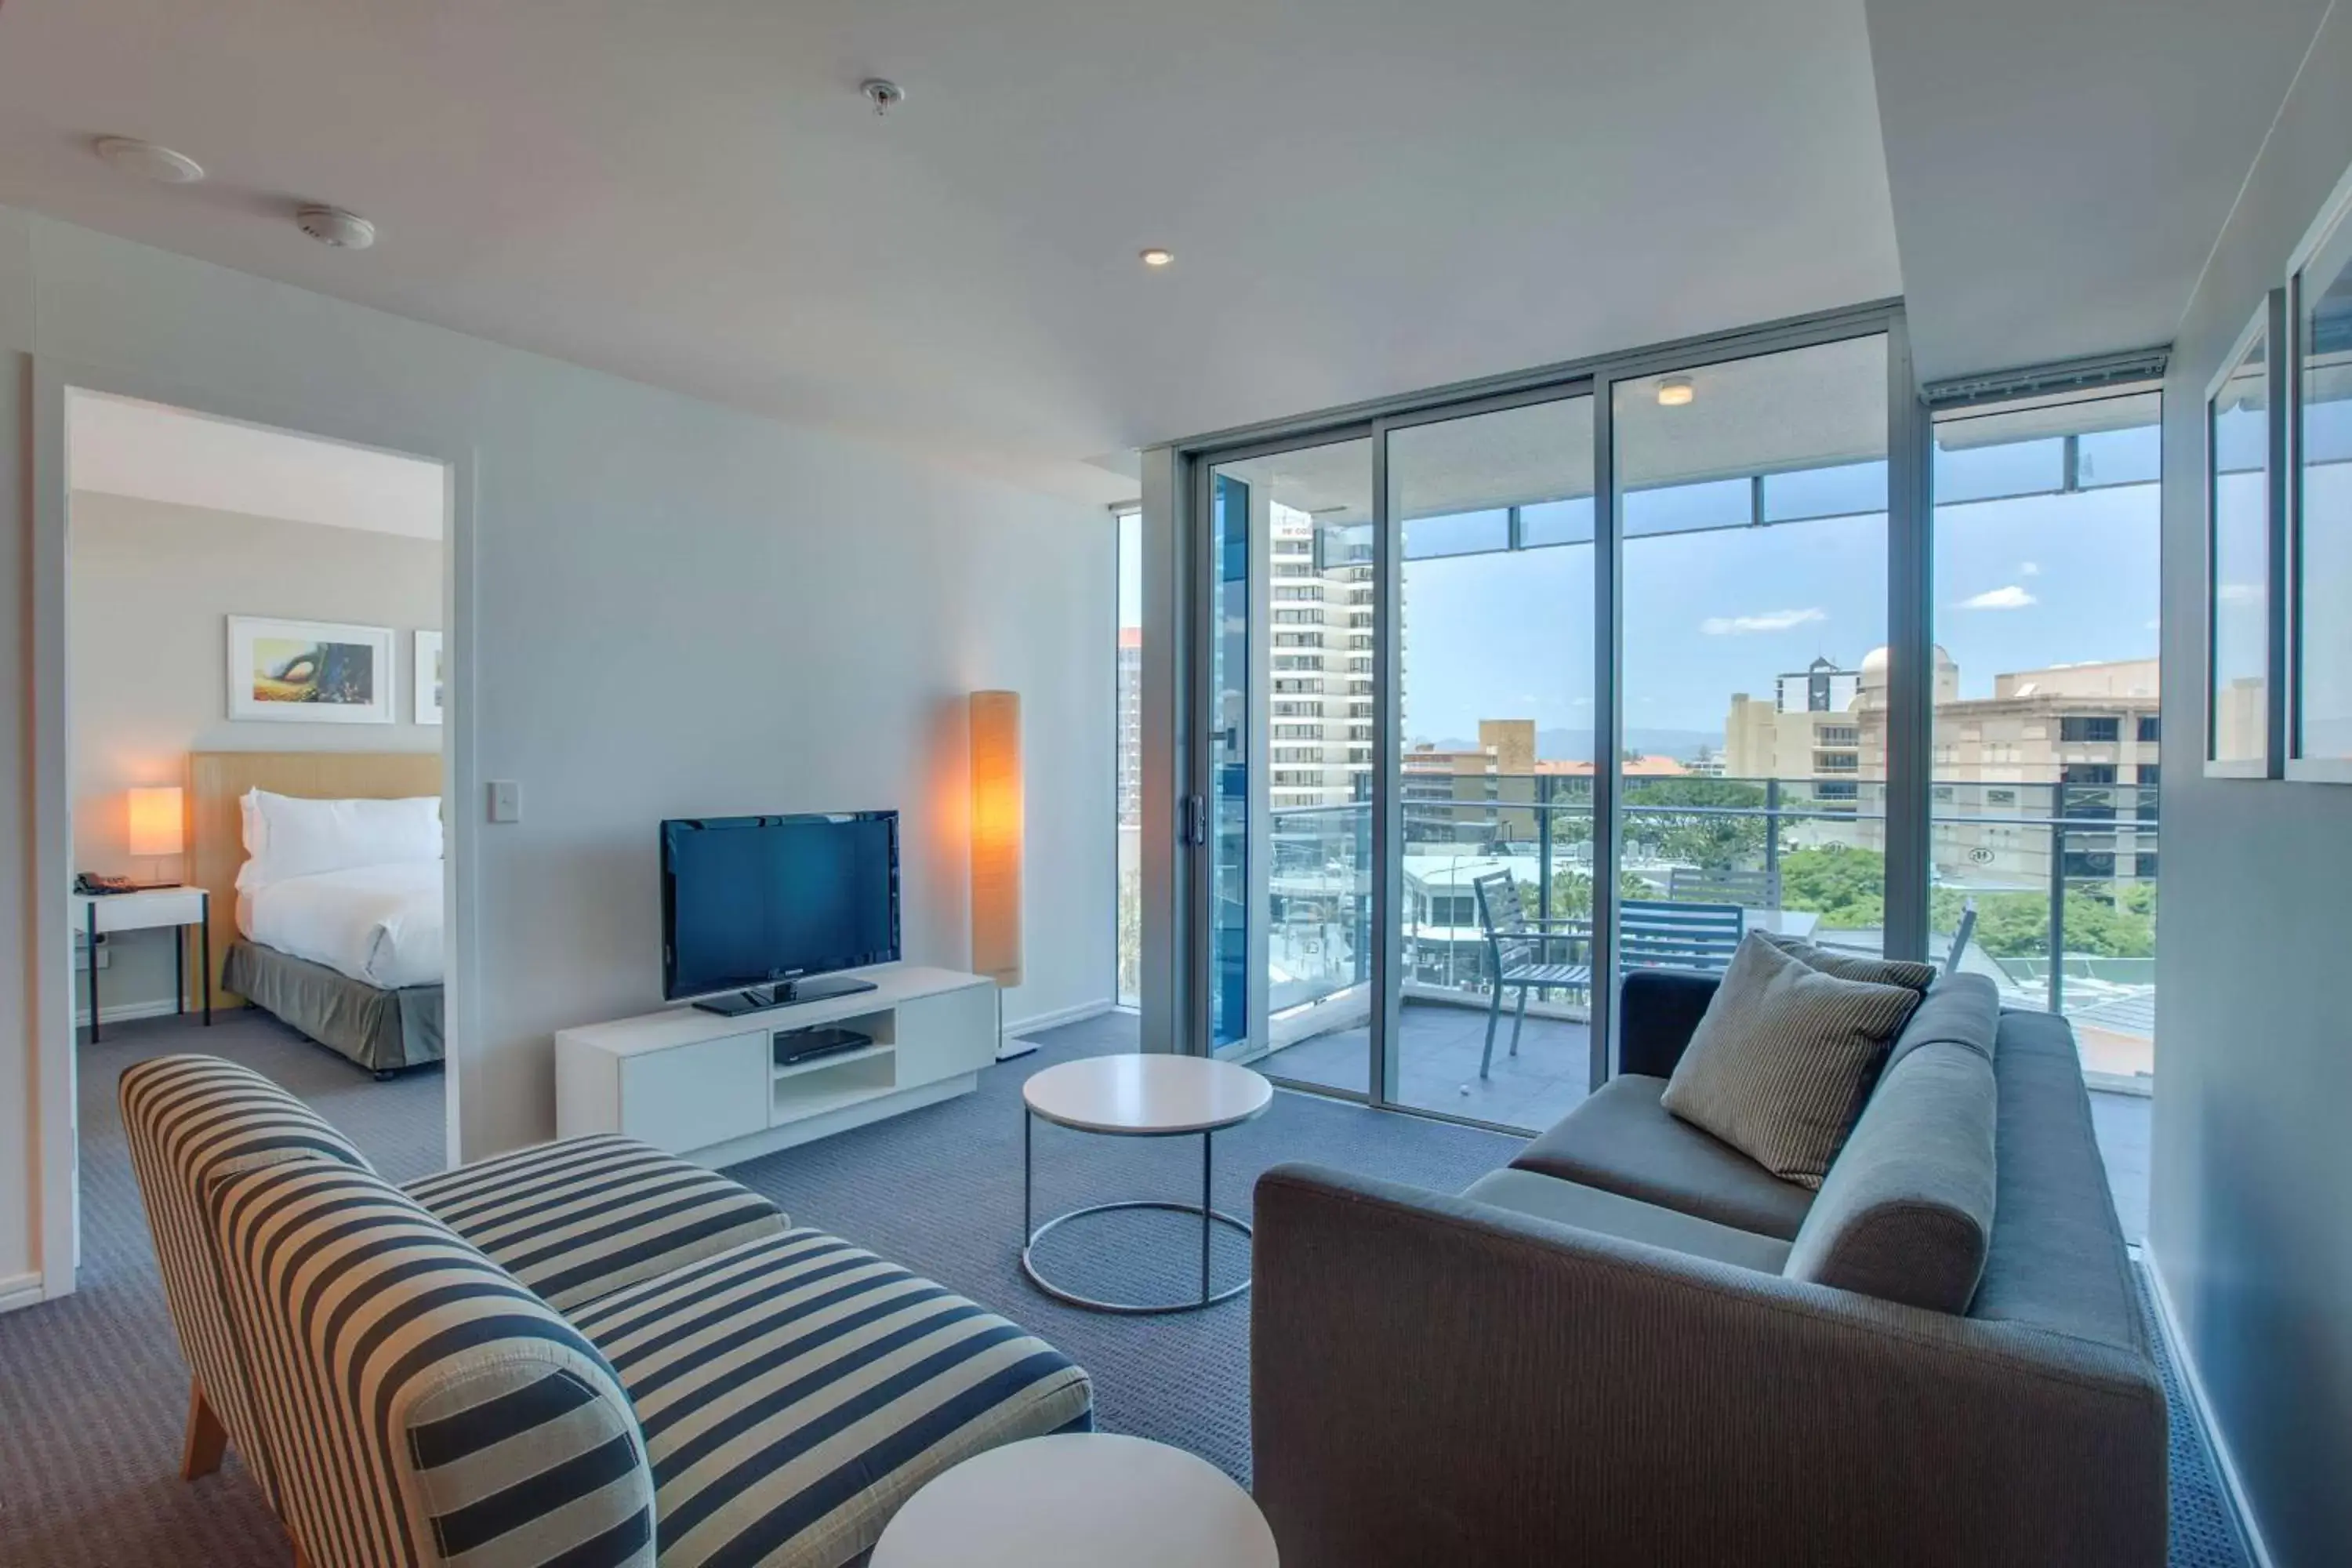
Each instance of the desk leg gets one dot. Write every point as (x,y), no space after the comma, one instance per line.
(1208,1143)
(179,971)
(92,947)
(205,959)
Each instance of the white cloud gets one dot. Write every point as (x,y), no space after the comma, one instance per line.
(2242,593)
(2029,568)
(1769,621)
(2011,597)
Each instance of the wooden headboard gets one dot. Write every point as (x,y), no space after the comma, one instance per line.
(217,780)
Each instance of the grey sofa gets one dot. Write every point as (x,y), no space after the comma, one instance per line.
(1634,1345)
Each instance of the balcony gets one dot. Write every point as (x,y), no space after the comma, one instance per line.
(2047,889)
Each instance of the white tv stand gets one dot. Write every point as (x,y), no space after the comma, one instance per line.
(707,1087)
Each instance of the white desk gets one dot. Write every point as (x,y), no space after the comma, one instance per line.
(151,908)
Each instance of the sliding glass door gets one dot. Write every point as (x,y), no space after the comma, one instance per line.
(1752,762)
(1498,699)
(1491,763)
(1289,731)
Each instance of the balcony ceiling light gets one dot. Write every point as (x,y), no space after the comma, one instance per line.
(1674,392)
(1157,255)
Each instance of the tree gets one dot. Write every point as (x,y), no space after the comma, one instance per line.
(1847,888)
(1713,837)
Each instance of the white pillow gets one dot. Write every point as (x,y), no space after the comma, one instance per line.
(289,836)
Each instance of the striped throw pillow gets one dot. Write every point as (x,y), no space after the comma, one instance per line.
(1856,965)
(1779,1065)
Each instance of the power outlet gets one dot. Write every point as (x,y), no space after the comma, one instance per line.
(506,801)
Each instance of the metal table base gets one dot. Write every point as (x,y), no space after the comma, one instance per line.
(1209,1217)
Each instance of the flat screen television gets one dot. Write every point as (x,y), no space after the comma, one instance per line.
(758,908)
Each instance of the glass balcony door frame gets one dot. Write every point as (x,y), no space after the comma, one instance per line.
(1178,477)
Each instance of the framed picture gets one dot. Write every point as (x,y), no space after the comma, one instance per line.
(424,683)
(2319,653)
(2245,553)
(309,672)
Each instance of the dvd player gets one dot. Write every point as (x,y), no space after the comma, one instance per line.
(795,1047)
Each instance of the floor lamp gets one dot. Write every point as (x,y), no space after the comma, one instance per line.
(996,835)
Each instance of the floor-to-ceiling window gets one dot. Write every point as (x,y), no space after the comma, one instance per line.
(1493,760)
(1754,671)
(2047,736)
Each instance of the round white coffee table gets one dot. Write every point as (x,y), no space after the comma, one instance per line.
(1085,1500)
(1138,1096)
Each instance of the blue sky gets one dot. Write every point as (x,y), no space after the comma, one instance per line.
(2019,584)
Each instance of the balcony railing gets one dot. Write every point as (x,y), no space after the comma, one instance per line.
(2054,884)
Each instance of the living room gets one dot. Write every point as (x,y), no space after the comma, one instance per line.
(1312,657)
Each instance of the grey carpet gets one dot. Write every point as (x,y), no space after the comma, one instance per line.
(94,1389)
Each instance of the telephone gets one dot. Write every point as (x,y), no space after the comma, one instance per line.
(87,882)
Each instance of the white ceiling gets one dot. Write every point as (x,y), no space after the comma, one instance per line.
(1362,199)
(2061,168)
(119,445)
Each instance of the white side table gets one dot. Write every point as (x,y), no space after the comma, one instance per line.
(152,908)
(1084,1499)
(1140,1095)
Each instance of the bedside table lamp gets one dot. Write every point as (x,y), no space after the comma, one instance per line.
(996,835)
(157,822)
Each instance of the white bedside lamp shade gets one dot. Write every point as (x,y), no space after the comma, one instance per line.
(996,835)
(157,818)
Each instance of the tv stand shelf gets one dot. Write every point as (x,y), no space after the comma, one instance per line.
(708,1087)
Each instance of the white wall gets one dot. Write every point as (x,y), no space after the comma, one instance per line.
(678,608)
(2251,1208)
(151,586)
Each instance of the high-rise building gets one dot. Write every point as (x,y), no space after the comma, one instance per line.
(1130,726)
(1319,683)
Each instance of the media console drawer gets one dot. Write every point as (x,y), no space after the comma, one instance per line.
(690,1096)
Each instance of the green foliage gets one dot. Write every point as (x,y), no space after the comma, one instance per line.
(1847,888)
(1696,839)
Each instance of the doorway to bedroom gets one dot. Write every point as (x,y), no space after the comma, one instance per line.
(255,699)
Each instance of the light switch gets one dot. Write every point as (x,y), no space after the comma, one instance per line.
(506,801)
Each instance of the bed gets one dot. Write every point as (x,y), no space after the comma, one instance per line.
(335,924)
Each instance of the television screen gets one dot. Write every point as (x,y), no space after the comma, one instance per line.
(748,900)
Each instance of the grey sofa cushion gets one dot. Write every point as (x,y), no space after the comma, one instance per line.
(1779,1066)
(1854,965)
(1629,1219)
(2057,1260)
(1959,1009)
(1622,1140)
(1906,1213)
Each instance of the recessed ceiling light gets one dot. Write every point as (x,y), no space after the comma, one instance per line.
(333,226)
(1157,257)
(1674,391)
(149,161)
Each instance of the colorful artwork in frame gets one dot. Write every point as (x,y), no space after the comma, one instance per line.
(309,672)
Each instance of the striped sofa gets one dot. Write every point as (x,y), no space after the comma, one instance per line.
(587,1353)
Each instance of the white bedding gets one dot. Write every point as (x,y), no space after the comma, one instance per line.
(381,924)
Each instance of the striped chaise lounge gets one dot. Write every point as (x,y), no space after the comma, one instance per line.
(587,1353)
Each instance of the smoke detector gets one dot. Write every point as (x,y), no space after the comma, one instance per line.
(333,226)
(149,161)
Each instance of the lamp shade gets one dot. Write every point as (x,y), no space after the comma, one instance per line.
(155,821)
(997,834)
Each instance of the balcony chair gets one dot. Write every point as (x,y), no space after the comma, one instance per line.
(1725,885)
(1520,948)
(1665,934)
